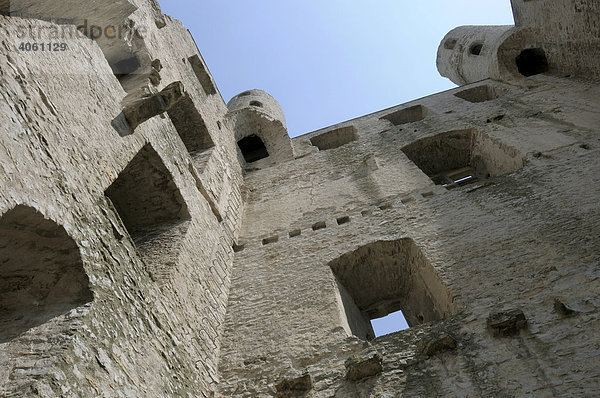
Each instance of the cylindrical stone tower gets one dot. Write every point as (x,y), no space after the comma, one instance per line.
(469,53)
(260,129)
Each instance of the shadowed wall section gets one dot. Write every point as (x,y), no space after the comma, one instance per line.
(41,272)
(152,210)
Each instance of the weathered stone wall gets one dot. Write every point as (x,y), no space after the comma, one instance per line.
(555,37)
(62,146)
(141,255)
(515,241)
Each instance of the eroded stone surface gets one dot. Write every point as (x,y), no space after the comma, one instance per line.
(213,275)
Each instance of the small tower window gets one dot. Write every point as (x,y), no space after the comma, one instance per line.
(532,61)
(450,44)
(253,148)
(257,104)
(475,49)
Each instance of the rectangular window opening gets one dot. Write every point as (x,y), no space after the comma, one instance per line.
(408,115)
(203,75)
(457,158)
(335,138)
(387,286)
(480,94)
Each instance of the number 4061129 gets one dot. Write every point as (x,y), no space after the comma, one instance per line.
(43,46)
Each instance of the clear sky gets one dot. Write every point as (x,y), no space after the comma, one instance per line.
(327,61)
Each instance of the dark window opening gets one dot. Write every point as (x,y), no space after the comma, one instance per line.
(475,49)
(532,61)
(131,63)
(192,130)
(152,210)
(295,233)
(258,104)
(126,66)
(450,44)
(41,272)
(384,277)
(407,115)
(335,138)
(460,157)
(480,94)
(203,75)
(253,148)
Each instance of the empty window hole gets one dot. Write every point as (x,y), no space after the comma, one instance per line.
(253,148)
(257,104)
(475,49)
(41,273)
(479,94)
(295,233)
(532,61)
(335,138)
(450,44)
(385,206)
(238,248)
(319,225)
(384,277)
(203,75)
(408,115)
(460,157)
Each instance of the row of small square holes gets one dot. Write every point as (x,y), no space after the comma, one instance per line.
(340,221)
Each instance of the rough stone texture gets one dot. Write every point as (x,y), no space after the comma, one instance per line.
(59,154)
(156,261)
(565,33)
(361,366)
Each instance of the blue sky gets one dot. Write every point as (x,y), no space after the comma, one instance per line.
(327,61)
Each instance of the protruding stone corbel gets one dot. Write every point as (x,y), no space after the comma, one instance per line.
(362,366)
(294,386)
(506,323)
(143,110)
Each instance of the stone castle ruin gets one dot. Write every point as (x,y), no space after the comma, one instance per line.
(158,242)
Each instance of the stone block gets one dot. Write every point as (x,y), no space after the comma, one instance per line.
(506,323)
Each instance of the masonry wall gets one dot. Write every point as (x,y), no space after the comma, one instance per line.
(140,255)
(62,146)
(521,240)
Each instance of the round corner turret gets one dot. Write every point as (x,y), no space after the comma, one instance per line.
(260,129)
(468,54)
